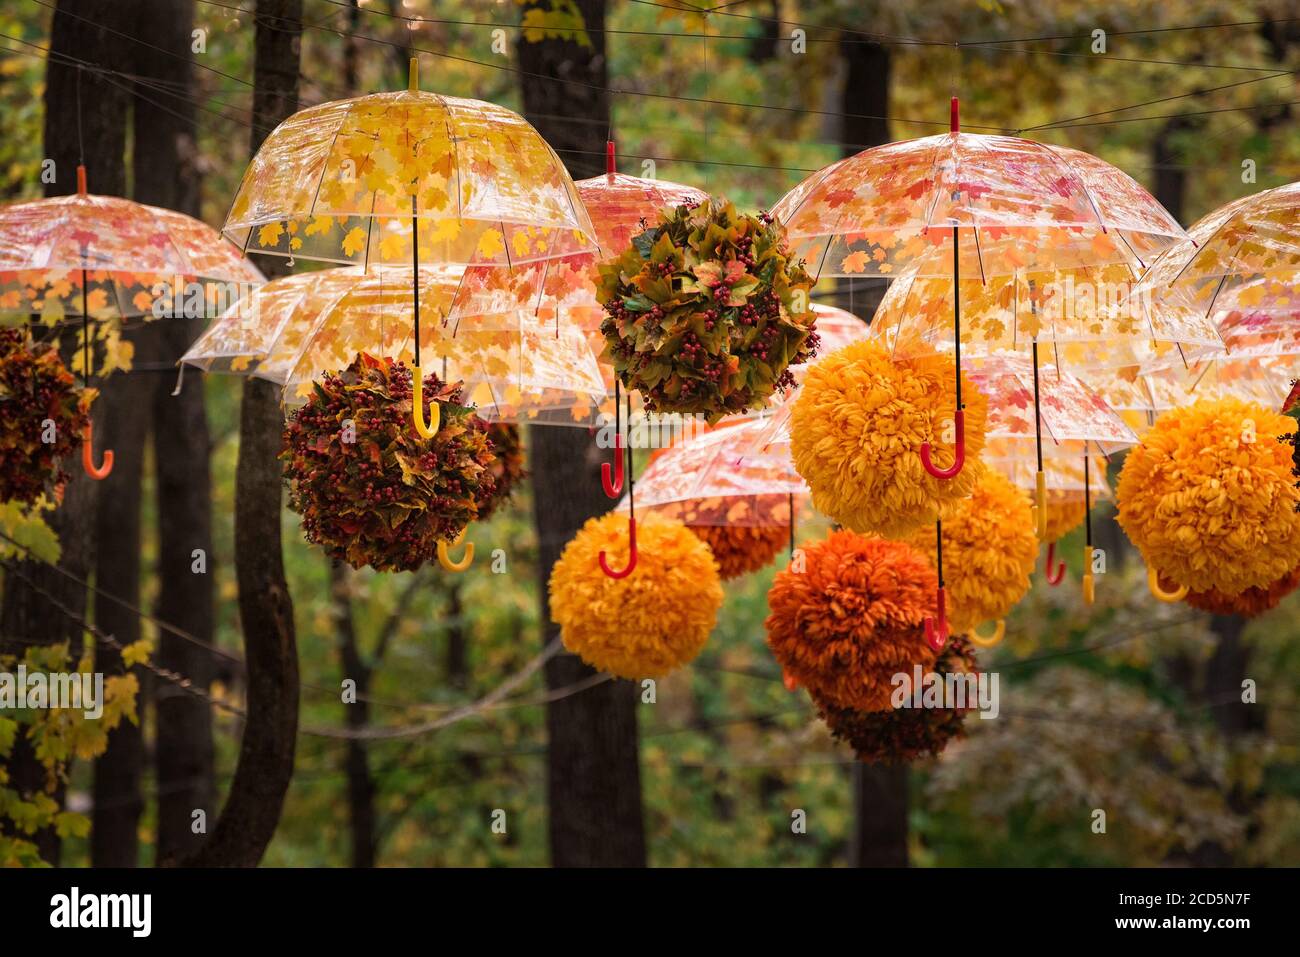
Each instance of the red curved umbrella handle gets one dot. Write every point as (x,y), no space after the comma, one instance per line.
(936,630)
(959,458)
(613,485)
(1054,575)
(631,544)
(88,456)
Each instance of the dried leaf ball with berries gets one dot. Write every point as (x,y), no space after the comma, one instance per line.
(508,468)
(377,493)
(850,616)
(1209,498)
(705,311)
(899,735)
(45,415)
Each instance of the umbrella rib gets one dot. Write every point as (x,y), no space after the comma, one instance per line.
(1087,194)
(311,210)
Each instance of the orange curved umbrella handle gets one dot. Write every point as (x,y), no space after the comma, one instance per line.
(1153,583)
(631,564)
(1089,591)
(999,632)
(88,456)
(959,458)
(427,429)
(444,559)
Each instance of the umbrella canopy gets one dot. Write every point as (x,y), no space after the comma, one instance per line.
(341,182)
(294,329)
(706,479)
(1238,268)
(103,257)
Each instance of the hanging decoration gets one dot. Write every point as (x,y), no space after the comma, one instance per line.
(1250,603)
(852,618)
(707,311)
(1209,499)
(646,624)
(741,549)
(508,467)
(43,415)
(900,735)
(856,433)
(371,492)
(989,552)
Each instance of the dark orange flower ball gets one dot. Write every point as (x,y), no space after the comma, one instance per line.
(1249,603)
(741,549)
(849,614)
(904,734)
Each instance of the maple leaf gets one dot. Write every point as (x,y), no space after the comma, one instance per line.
(354,241)
(269,235)
(855,262)
(490,245)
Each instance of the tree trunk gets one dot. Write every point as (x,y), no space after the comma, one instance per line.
(593,770)
(879,792)
(118,802)
(361,785)
(252,810)
(27,616)
(166,174)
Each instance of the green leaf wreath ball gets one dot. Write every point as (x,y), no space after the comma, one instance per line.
(43,416)
(706,311)
(369,489)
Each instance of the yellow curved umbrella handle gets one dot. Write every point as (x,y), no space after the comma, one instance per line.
(999,633)
(428,429)
(1089,594)
(1040,505)
(445,560)
(1153,583)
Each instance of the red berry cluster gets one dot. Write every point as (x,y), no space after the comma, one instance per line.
(508,470)
(369,489)
(39,400)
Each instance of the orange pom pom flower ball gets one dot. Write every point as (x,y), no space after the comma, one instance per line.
(850,616)
(649,623)
(857,429)
(741,549)
(1064,513)
(1208,497)
(1249,603)
(989,550)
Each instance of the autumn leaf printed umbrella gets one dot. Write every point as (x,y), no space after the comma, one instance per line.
(973,205)
(393,179)
(103,258)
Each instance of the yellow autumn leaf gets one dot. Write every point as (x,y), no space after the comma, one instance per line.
(269,235)
(393,247)
(490,244)
(354,241)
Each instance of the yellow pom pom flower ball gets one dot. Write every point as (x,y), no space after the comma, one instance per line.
(989,550)
(1209,499)
(649,623)
(856,434)
(1064,513)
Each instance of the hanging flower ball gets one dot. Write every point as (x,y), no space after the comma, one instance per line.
(647,624)
(508,468)
(39,401)
(899,735)
(852,618)
(741,549)
(1208,497)
(1249,603)
(705,311)
(1064,513)
(369,489)
(989,550)
(857,429)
